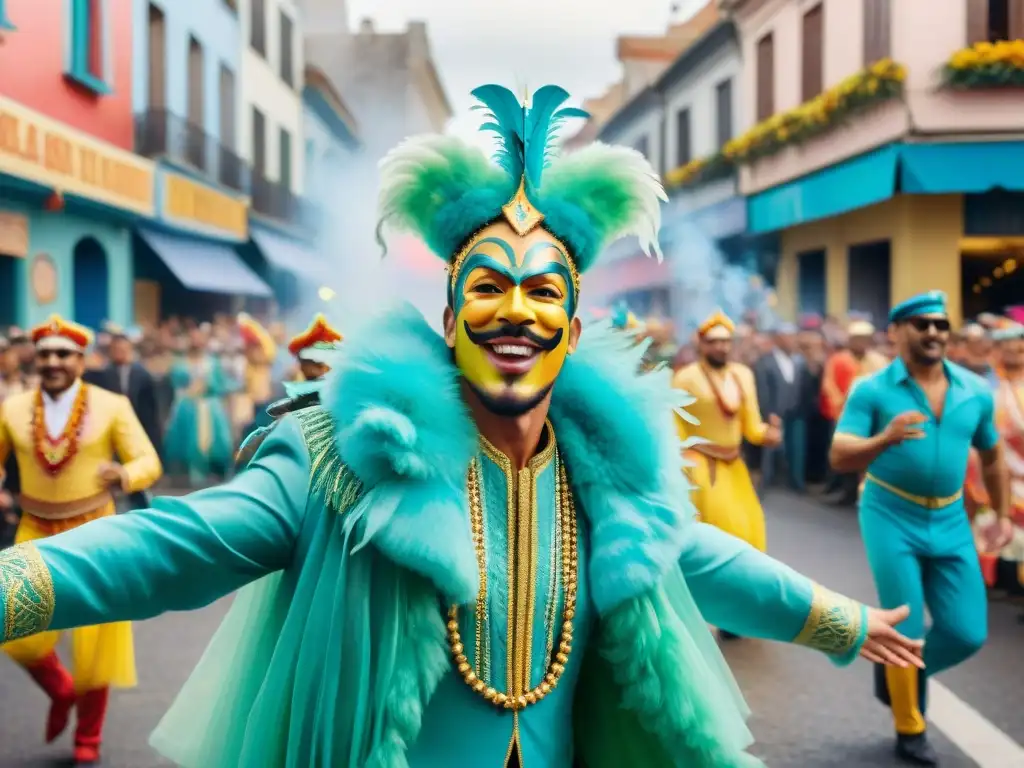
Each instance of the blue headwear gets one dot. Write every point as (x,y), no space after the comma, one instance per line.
(928,303)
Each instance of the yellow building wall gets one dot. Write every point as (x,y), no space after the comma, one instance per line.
(924,232)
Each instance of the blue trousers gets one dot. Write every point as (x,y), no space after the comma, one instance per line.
(925,559)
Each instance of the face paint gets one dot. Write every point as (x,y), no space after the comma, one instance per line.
(513,301)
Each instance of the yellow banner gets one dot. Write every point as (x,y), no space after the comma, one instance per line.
(187,201)
(45,151)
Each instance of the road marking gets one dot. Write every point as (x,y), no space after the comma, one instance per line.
(976,737)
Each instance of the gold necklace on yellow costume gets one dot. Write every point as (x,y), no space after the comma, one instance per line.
(566,522)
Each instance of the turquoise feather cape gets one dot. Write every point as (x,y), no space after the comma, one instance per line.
(333,661)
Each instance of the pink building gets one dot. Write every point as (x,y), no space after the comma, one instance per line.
(881,148)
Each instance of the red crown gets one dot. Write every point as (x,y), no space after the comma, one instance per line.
(318,332)
(58,327)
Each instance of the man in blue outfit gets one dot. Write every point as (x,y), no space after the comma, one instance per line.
(910,427)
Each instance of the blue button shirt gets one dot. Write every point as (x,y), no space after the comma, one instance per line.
(935,465)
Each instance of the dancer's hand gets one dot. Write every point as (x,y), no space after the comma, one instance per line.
(1001,534)
(772,435)
(884,645)
(904,427)
(111,475)
(6,500)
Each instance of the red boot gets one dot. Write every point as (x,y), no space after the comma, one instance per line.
(92,711)
(56,681)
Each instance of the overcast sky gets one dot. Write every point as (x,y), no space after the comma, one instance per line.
(520,43)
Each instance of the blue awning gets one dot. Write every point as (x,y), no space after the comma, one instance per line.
(975,167)
(861,181)
(201,265)
(290,255)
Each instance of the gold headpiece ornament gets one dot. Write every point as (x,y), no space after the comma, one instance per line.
(523,216)
(59,333)
(717,320)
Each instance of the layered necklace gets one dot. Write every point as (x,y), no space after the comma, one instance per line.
(728,409)
(565,510)
(53,453)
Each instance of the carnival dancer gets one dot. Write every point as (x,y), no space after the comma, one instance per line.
(198,439)
(1007,564)
(910,427)
(65,435)
(726,409)
(463,517)
(314,348)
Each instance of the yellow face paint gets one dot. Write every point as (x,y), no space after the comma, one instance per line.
(514,303)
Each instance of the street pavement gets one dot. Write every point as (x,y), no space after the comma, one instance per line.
(807,713)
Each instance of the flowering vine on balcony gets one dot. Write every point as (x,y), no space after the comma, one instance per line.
(987,65)
(880,82)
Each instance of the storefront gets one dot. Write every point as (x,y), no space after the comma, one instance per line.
(292,267)
(872,231)
(67,205)
(186,261)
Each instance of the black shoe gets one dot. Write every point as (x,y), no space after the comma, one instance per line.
(724,635)
(915,750)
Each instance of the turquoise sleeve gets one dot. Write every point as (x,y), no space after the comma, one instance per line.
(858,416)
(986,436)
(746,592)
(185,552)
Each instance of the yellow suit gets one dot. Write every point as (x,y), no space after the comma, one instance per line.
(724,495)
(51,504)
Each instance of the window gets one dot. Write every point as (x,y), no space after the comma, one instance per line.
(994,20)
(813,65)
(195,83)
(286,30)
(89,55)
(684,149)
(157,58)
(877,30)
(765,77)
(285,176)
(227,107)
(258,27)
(643,147)
(723,113)
(259,142)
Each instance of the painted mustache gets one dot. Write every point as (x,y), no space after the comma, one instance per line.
(514,332)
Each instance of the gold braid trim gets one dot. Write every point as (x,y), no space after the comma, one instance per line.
(833,625)
(26,592)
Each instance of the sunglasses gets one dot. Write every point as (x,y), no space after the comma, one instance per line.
(60,354)
(922,324)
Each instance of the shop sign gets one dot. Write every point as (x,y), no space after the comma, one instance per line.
(187,202)
(42,150)
(13,235)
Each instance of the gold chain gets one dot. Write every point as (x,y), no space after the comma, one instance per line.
(566,512)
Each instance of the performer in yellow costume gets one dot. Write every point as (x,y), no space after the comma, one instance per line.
(727,411)
(260,352)
(63,434)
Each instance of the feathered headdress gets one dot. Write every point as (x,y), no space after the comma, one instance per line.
(445,191)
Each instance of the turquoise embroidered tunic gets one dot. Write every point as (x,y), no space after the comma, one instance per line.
(522,598)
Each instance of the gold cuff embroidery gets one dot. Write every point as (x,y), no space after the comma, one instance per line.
(26,592)
(833,625)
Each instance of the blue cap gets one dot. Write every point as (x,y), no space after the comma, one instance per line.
(786,329)
(929,303)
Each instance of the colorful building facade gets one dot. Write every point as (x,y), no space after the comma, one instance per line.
(881,147)
(70,186)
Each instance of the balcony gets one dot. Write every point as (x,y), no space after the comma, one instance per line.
(276,200)
(163,134)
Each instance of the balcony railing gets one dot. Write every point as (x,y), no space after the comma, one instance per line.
(276,200)
(161,133)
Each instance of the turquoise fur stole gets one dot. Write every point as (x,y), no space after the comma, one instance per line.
(391,448)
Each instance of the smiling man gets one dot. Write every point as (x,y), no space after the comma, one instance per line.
(475,540)
(910,427)
(65,436)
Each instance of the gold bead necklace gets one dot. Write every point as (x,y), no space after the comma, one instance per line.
(565,509)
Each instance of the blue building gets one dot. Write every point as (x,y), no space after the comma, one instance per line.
(187,99)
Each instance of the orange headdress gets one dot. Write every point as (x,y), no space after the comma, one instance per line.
(717,326)
(58,333)
(255,335)
(319,335)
